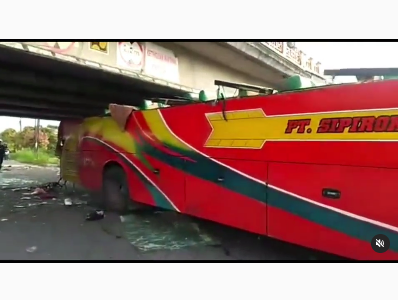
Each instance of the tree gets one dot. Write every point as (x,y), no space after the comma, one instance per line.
(8,137)
(26,138)
(51,136)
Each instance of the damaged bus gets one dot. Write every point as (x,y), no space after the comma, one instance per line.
(311,165)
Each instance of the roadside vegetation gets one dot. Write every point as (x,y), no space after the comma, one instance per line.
(29,156)
(22,145)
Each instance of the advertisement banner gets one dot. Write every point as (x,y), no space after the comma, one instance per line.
(130,56)
(161,63)
(102,47)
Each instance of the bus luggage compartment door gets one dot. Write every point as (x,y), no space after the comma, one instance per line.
(333,208)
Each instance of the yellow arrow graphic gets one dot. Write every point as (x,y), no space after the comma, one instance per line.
(252,128)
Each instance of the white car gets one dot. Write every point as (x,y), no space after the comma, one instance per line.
(7,154)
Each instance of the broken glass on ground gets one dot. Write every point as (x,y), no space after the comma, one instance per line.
(38,195)
(147,231)
(16,183)
(24,191)
(154,230)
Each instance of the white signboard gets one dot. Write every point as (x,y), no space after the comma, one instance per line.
(161,63)
(130,56)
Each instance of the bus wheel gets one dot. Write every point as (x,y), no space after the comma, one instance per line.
(115,190)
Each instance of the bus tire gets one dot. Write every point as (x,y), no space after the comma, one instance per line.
(115,190)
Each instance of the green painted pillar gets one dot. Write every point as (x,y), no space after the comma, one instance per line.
(145,104)
(202,96)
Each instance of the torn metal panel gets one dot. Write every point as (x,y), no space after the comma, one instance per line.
(121,113)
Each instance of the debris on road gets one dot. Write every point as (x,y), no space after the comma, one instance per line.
(31,249)
(43,191)
(68,201)
(38,191)
(21,189)
(34,196)
(52,185)
(24,167)
(95,215)
(3,220)
(47,196)
(80,202)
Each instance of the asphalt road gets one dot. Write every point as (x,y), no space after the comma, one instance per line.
(36,229)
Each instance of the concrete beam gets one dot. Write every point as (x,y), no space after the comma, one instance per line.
(248,58)
(275,60)
(269,58)
(64,86)
(251,58)
(23,96)
(37,115)
(17,104)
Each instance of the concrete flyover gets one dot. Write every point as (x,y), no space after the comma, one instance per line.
(58,80)
(258,63)
(49,83)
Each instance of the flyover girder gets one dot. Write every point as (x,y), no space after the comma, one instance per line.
(43,84)
(35,114)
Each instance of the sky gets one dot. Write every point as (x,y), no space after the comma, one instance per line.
(343,55)
(332,55)
(337,55)
(11,122)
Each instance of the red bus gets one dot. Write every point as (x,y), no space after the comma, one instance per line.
(315,167)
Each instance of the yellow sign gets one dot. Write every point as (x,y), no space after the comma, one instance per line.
(102,47)
(252,128)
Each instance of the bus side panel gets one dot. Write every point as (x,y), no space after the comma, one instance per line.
(222,195)
(336,209)
(89,177)
(96,155)
(169,180)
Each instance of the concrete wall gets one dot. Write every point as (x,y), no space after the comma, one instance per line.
(200,72)
(194,70)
